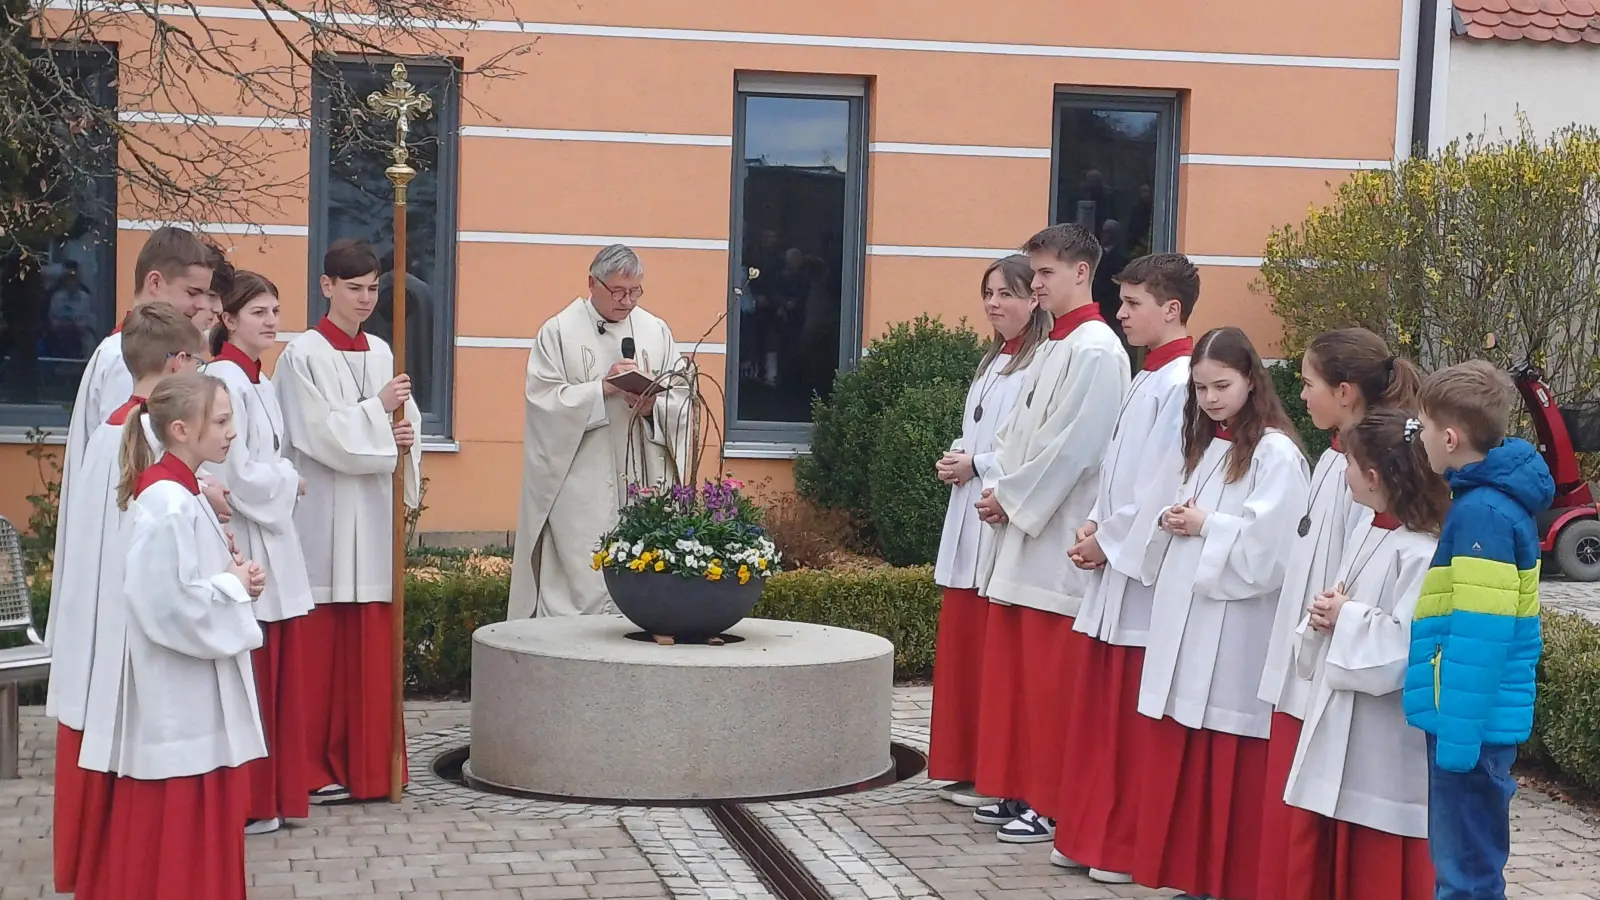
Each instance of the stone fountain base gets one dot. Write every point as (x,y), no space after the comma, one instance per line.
(573,707)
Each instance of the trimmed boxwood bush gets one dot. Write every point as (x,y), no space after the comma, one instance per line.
(899,604)
(846,425)
(908,502)
(1567,713)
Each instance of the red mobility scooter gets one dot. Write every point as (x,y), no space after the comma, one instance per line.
(1570,529)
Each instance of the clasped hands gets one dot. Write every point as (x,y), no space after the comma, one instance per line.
(954,468)
(1324,612)
(1184,520)
(249,573)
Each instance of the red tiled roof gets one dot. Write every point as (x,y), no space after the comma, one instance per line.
(1564,21)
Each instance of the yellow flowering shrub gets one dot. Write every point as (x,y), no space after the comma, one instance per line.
(1488,236)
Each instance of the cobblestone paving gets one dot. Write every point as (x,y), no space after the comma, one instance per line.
(896,843)
(1570,596)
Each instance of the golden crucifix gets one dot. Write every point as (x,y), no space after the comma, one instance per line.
(402,103)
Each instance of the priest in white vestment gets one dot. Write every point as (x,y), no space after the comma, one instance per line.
(581,444)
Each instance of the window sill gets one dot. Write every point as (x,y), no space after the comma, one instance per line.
(763,450)
(440,445)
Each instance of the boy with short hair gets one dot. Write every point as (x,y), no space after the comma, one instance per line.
(1039,489)
(221,286)
(1475,639)
(1123,545)
(337,387)
(156,341)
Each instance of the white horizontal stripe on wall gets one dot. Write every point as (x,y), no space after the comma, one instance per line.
(599,137)
(592,240)
(149,117)
(1279,162)
(217,227)
(247,13)
(959,150)
(1244,262)
(517,343)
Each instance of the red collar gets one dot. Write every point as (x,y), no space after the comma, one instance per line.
(340,340)
(1386,521)
(119,416)
(118,329)
(1012,346)
(252,367)
(1224,432)
(1168,352)
(167,468)
(1334,443)
(1068,322)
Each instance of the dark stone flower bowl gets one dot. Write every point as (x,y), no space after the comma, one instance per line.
(685,609)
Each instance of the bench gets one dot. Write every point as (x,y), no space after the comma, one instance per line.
(18,665)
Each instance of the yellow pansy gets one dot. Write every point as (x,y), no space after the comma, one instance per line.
(744,574)
(661,566)
(713,572)
(599,560)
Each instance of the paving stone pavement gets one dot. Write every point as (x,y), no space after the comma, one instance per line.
(895,843)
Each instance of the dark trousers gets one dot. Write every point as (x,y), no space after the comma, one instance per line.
(1469,824)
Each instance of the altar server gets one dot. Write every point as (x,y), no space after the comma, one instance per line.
(337,386)
(1245,485)
(1039,490)
(264,489)
(187,721)
(1359,783)
(157,341)
(1344,373)
(1123,545)
(1020,327)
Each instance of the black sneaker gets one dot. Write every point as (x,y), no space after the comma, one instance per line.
(1028,828)
(999,813)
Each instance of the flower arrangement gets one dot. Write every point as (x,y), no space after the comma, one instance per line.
(714,533)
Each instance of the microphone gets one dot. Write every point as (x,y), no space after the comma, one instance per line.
(627,348)
(601,328)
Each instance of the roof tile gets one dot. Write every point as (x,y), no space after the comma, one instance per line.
(1562,21)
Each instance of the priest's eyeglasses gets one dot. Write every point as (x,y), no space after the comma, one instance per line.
(621,294)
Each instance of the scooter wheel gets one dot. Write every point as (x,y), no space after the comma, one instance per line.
(1578,550)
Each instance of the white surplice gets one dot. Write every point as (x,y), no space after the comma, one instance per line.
(1313,559)
(1046,471)
(339,438)
(966,539)
(1358,760)
(89,581)
(1215,593)
(1143,469)
(579,453)
(263,489)
(188,704)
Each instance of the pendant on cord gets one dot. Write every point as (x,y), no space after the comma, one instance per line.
(1305,525)
(977,414)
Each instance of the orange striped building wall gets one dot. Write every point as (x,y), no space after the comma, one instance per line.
(621,128)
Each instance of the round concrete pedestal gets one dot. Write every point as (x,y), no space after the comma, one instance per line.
(572,707)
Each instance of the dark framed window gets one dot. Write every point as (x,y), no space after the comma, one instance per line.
(1114,170)
(797,249)
(58,289)
(351,197)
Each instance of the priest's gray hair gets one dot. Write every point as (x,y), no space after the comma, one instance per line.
(617,259)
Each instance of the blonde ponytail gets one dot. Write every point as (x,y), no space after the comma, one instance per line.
(184,397)
(137,455)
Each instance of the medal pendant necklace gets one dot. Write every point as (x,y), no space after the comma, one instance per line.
(991,379)
(1316,491)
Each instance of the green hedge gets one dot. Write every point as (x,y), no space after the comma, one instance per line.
(899,604)
(908,501)
(1567,713)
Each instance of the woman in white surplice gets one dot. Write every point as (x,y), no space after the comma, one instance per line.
(1360,775)
(1245,486)
(580,451)
(1020,326)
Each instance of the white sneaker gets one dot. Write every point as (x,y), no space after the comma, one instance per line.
(1104,877)
(263,826)
(1057,858)
(963,793)
(1028,828)
(332,793)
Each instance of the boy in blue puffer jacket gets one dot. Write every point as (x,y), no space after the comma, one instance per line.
(1475,637)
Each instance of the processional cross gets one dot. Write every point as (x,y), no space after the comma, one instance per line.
(402,103)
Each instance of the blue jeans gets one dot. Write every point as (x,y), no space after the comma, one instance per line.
(1469,824)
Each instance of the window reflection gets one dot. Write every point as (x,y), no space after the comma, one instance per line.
(1106,176)
(360,204)
(794,170)
(58,285)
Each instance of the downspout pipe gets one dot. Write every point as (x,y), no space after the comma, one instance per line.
(1422,99)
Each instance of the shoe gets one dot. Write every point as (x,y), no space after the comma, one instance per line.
(999,813)
(333,793)
(1057,858)
(263,826)
(1028,828)
(1104,877)
(963,793)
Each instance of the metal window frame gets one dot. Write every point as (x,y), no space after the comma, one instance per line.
(84,59)
(1166,106)
(852,276)
(439,422)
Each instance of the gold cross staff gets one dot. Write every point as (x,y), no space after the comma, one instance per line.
(400,102)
